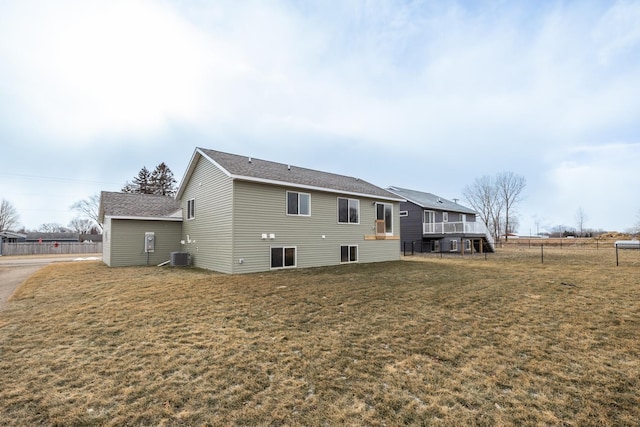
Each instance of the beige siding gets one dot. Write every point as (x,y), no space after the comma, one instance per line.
(127,241)
(261,209)
(208,236)
(106,241)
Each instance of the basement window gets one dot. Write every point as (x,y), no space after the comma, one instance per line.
(283,257)
(349,253)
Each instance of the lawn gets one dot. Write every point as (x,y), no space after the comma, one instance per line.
(424,341)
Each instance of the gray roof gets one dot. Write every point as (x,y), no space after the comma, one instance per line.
(431,201)
(252,169)
(136,205)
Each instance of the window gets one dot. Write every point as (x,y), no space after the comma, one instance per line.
(298,203)
(467,245)
(454,245)
(384,212)
(404,213)
(348,211)
(435,246)
(283,257)
(445,216)
(191,208)
(348,253)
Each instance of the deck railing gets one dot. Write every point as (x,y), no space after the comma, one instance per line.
(454,227)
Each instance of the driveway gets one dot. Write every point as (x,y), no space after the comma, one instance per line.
(16,269)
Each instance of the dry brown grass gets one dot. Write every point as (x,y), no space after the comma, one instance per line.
(424,341)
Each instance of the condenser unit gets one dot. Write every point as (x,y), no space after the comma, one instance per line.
(179,259)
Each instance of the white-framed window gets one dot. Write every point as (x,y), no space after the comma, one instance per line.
(283,257)
(348,211)
(454,246)
(298,203)
(445,216)
(191,208)
(463,218)
(348,253)
(467,245)
(384,212)
(404,213)
(435,246)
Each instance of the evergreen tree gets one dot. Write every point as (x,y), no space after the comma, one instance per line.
(162,181)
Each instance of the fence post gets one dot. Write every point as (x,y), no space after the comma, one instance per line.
(617,263)
(542,253)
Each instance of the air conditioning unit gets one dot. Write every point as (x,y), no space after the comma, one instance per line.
(179,259)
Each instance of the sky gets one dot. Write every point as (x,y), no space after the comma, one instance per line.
(426,95)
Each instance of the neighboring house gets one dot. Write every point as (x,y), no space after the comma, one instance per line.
(11,237)
(237,214)
(430,223)
(139,229)
(243,215)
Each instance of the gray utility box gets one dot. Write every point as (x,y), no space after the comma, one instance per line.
(179,259)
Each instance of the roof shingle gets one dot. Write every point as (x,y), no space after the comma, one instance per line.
(431,201)
(243,167)
(136,205)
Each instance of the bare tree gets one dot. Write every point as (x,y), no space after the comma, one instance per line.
(481,196)
(52,227)
(89,209)
(9,217)
(81,225)
(581,218)
(509,187)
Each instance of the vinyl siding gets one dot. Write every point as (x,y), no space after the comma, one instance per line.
(209,232)
(127,242)
(261,209)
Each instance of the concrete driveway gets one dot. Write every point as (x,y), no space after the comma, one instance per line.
(16,269)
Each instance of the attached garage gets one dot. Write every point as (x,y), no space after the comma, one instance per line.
(139,229)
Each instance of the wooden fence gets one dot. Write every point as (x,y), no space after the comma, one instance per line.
(50,248)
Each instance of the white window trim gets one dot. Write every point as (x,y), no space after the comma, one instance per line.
(348,216)
(287,203)
(349,250)
(467,245)
(454,246)
(404,213)
(392,221)
(295,261)
(445,216)
(191,212)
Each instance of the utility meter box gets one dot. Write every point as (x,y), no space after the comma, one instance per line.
(149,241)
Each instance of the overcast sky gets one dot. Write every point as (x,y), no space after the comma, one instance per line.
(424,95)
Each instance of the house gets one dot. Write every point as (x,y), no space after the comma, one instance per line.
(10,237)
(139,229)
(241,214)
(429,223)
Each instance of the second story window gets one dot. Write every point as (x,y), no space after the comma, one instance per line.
(191,208)
(348,211)
(298,203)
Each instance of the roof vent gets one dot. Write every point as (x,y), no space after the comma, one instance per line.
(288,167)
(455,201)
(249,159)
(439,200)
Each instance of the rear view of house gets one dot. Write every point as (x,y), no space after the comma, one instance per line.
(243,214)
(430,223)
(238,214)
